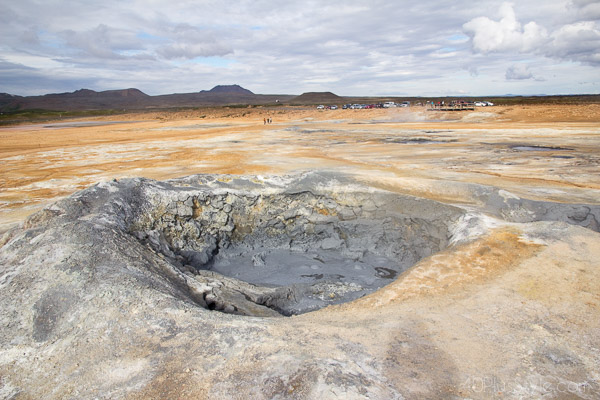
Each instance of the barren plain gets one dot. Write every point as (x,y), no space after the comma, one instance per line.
(545,152)
(508,308)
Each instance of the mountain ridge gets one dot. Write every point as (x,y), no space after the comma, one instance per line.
(229,89)
(316,97)
(132,98)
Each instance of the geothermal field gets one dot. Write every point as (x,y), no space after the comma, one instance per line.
(363,254)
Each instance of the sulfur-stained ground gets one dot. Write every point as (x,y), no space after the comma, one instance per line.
(539,152)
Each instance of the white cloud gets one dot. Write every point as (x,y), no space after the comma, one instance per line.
(586,9)
(102,41)
(507,34)
(578,41)
(193,50)
(518,72)
(190,42)
(350,47)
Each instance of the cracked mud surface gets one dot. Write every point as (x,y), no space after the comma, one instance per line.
(477,262)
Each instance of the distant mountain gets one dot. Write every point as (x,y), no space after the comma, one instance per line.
(83,99)
(223,95)
(219,95)
(5,99)
(134,99)
(316,97)
(230,89)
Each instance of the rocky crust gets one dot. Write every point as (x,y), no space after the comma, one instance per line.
(261,247)
(110,293)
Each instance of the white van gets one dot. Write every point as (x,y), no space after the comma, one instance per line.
(389,104)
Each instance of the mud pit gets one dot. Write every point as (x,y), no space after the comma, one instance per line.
(260,247)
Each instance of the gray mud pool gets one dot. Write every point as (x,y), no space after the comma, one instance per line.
(292,246)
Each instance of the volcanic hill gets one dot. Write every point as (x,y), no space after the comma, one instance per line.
(317,97)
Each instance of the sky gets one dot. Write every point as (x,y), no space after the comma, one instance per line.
(351,48)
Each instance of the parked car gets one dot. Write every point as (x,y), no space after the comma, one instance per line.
(346,106)
(489,103)
(333,107)
(320,107)
(480,104)
(389,104)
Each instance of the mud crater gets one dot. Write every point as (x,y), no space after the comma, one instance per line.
(291,252)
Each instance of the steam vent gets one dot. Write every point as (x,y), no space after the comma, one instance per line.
(315,285)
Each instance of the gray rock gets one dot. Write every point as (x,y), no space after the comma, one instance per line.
(331,244)
(258,259)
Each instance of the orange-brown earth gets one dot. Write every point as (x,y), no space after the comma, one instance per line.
(411,150)
(512,313)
